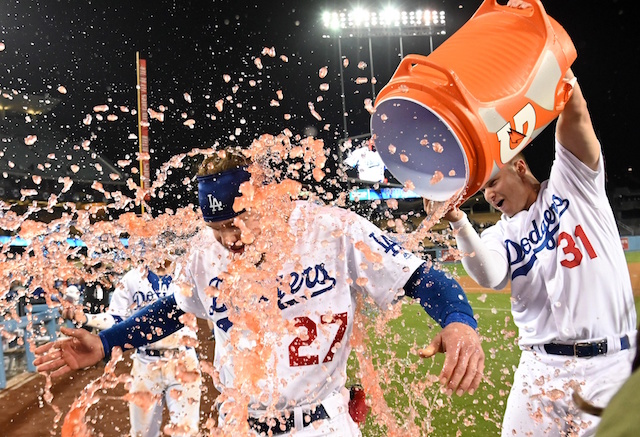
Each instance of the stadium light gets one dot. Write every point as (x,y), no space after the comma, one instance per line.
(387,22)
(359,23)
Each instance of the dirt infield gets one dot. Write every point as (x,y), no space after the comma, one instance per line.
(634,272)
(472,287)
(24,413)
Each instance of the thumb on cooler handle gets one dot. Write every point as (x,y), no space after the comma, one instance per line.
(536,11)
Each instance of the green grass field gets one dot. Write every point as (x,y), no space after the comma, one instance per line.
(412,391)
(409,384)
(632,257)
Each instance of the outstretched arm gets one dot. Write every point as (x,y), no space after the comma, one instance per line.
(146,326)
(444,300)
(441,296)
(84,349)
(574,129)
(79,350)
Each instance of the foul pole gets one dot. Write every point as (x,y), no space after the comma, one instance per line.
(143,128)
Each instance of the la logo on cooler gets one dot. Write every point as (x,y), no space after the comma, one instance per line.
(214,203)
(514,135)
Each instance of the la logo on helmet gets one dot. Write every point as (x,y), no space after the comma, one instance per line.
(214,203)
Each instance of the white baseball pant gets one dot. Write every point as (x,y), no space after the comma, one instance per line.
(339,423)
(540,402)
(158,376)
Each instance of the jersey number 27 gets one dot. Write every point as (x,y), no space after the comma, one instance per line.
(295,359)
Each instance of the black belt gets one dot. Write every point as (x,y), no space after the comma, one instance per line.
(283,425)
(582,350)
(160,352)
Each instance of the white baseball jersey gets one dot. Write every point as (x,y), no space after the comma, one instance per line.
(136,290)
(569,276)
(369,163)
(158,374)
(320,282)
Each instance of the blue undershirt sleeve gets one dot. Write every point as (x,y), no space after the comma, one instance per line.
(146,326)
(441,296)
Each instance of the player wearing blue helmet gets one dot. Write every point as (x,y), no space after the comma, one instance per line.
(280,280)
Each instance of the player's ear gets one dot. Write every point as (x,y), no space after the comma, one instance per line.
(520,167)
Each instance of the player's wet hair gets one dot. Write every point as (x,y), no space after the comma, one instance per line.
(219,178)
(226,159)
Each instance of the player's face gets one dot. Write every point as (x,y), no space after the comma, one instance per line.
(236,232)
(506,191)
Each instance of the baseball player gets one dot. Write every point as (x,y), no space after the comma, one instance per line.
(282,341)
(368,162)
(571,297)
(167,369)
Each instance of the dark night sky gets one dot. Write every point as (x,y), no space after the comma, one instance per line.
(89,47)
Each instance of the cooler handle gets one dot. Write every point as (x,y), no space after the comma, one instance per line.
(406,69)
(564,92)
(536,11)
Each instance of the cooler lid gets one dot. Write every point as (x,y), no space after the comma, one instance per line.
(417,145)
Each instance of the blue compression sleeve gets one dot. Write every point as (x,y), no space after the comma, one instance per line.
(148,325)
(441,296)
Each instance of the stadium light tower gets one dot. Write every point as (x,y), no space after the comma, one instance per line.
(388,22)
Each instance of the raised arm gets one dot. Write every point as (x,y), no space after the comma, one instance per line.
(574,129)
(489,268)
(83,349)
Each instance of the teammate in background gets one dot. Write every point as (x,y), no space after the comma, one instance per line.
(368,162)
(167,369)
(281,353)
(571,297)
(97,292)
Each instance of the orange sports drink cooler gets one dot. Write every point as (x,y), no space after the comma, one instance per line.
(448,121)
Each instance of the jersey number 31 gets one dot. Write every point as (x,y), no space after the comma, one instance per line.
(574,254)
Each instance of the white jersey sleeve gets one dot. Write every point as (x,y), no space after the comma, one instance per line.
(580,178)
(100,321)
(485,262)
(377,264)
(206,256)
(121,303)
(355,156)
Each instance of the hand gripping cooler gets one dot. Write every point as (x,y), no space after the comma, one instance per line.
(448,121)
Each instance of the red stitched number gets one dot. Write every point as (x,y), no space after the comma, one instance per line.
(587,244)
(572,250)
(295,359)
(341,320)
